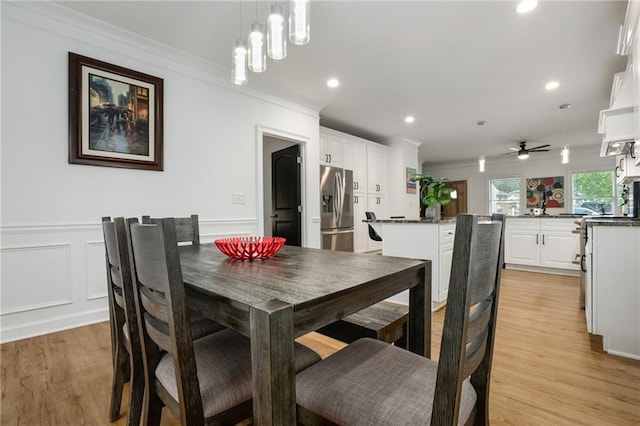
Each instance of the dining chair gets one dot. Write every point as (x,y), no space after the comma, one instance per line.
(125,336)
(187,228)
(208,380)
(370,382)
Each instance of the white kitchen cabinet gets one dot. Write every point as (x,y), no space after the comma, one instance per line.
(612,305)
(543,243)
(330,150)
(626,169)
(447,235)
(360,229)
(366,160)
(359,166)
(376,168)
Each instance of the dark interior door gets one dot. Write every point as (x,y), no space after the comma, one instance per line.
(285,190)
(458,205)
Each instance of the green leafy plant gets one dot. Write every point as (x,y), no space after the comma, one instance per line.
(432,190)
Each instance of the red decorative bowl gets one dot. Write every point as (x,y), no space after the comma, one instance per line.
(250,247)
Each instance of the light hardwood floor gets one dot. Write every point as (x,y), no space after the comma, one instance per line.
(546,368)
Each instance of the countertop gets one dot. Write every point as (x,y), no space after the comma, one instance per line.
(548,216)
(430,221)
(612,221)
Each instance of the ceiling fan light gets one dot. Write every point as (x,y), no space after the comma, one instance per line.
(523,155)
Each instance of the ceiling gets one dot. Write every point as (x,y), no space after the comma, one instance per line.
(448,63)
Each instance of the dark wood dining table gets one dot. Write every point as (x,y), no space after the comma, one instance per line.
(298,290)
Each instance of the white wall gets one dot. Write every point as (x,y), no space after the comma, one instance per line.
(53,273)
(403,153)
(537,165)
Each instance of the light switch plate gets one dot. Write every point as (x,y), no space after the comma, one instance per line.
(238,199)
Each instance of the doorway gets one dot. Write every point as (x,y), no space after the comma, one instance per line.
(286,208)
(273,141)
(459,204)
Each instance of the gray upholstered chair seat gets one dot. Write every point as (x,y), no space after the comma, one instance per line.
(223,361)
(340,387)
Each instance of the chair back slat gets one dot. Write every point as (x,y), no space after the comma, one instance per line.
(187,228)
(467,336)
(475,352)
(155,303)
(117,297)
(159,332)
(479,318)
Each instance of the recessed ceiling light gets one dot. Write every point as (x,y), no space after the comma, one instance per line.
(565,106)
(409,119)
(333,83)
(552,85)
(526,6)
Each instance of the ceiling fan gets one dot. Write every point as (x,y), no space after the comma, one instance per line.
(523,152)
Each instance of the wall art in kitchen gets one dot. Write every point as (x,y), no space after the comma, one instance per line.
(115,115)
(411,186)
(549,190)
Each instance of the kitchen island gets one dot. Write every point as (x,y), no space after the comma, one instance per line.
(421,239)
(612,283)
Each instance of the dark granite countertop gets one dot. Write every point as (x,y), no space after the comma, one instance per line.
(429,221)
(612,221)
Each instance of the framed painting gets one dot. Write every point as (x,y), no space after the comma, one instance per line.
(115,115)
(549,190)
(411,186)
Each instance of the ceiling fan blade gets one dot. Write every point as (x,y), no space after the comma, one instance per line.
(515,149)
(537,148)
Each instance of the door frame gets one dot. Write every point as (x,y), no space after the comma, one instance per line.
(302,141)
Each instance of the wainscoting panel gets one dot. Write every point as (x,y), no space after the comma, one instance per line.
(96,272)
(54,278)
(35,277)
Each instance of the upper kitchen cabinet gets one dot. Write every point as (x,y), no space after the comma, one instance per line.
(619,124)
(331,150)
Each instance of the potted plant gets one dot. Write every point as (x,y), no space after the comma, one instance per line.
(433,194)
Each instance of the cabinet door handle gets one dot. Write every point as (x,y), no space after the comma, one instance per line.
(542,239)
(617,174)
(537,238)
(622,164)
(329,157)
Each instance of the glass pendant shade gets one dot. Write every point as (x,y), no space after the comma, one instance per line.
(481,162)
(299,22)
(239,71)
(565,155)
(276,41)
(257,55)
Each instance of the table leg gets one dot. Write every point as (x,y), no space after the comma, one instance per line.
(419,323)
(272,362)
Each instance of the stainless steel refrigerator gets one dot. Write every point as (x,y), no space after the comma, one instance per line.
(336,202)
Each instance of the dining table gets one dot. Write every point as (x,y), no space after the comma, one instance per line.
(298,290)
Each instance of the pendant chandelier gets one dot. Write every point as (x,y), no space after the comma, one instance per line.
(253,54)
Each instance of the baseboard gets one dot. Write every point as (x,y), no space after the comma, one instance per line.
(555,271)
(52,325)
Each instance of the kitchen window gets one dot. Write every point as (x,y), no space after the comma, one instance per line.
(594,193)
(504,195)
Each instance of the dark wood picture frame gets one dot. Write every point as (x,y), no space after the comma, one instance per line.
(115,116)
